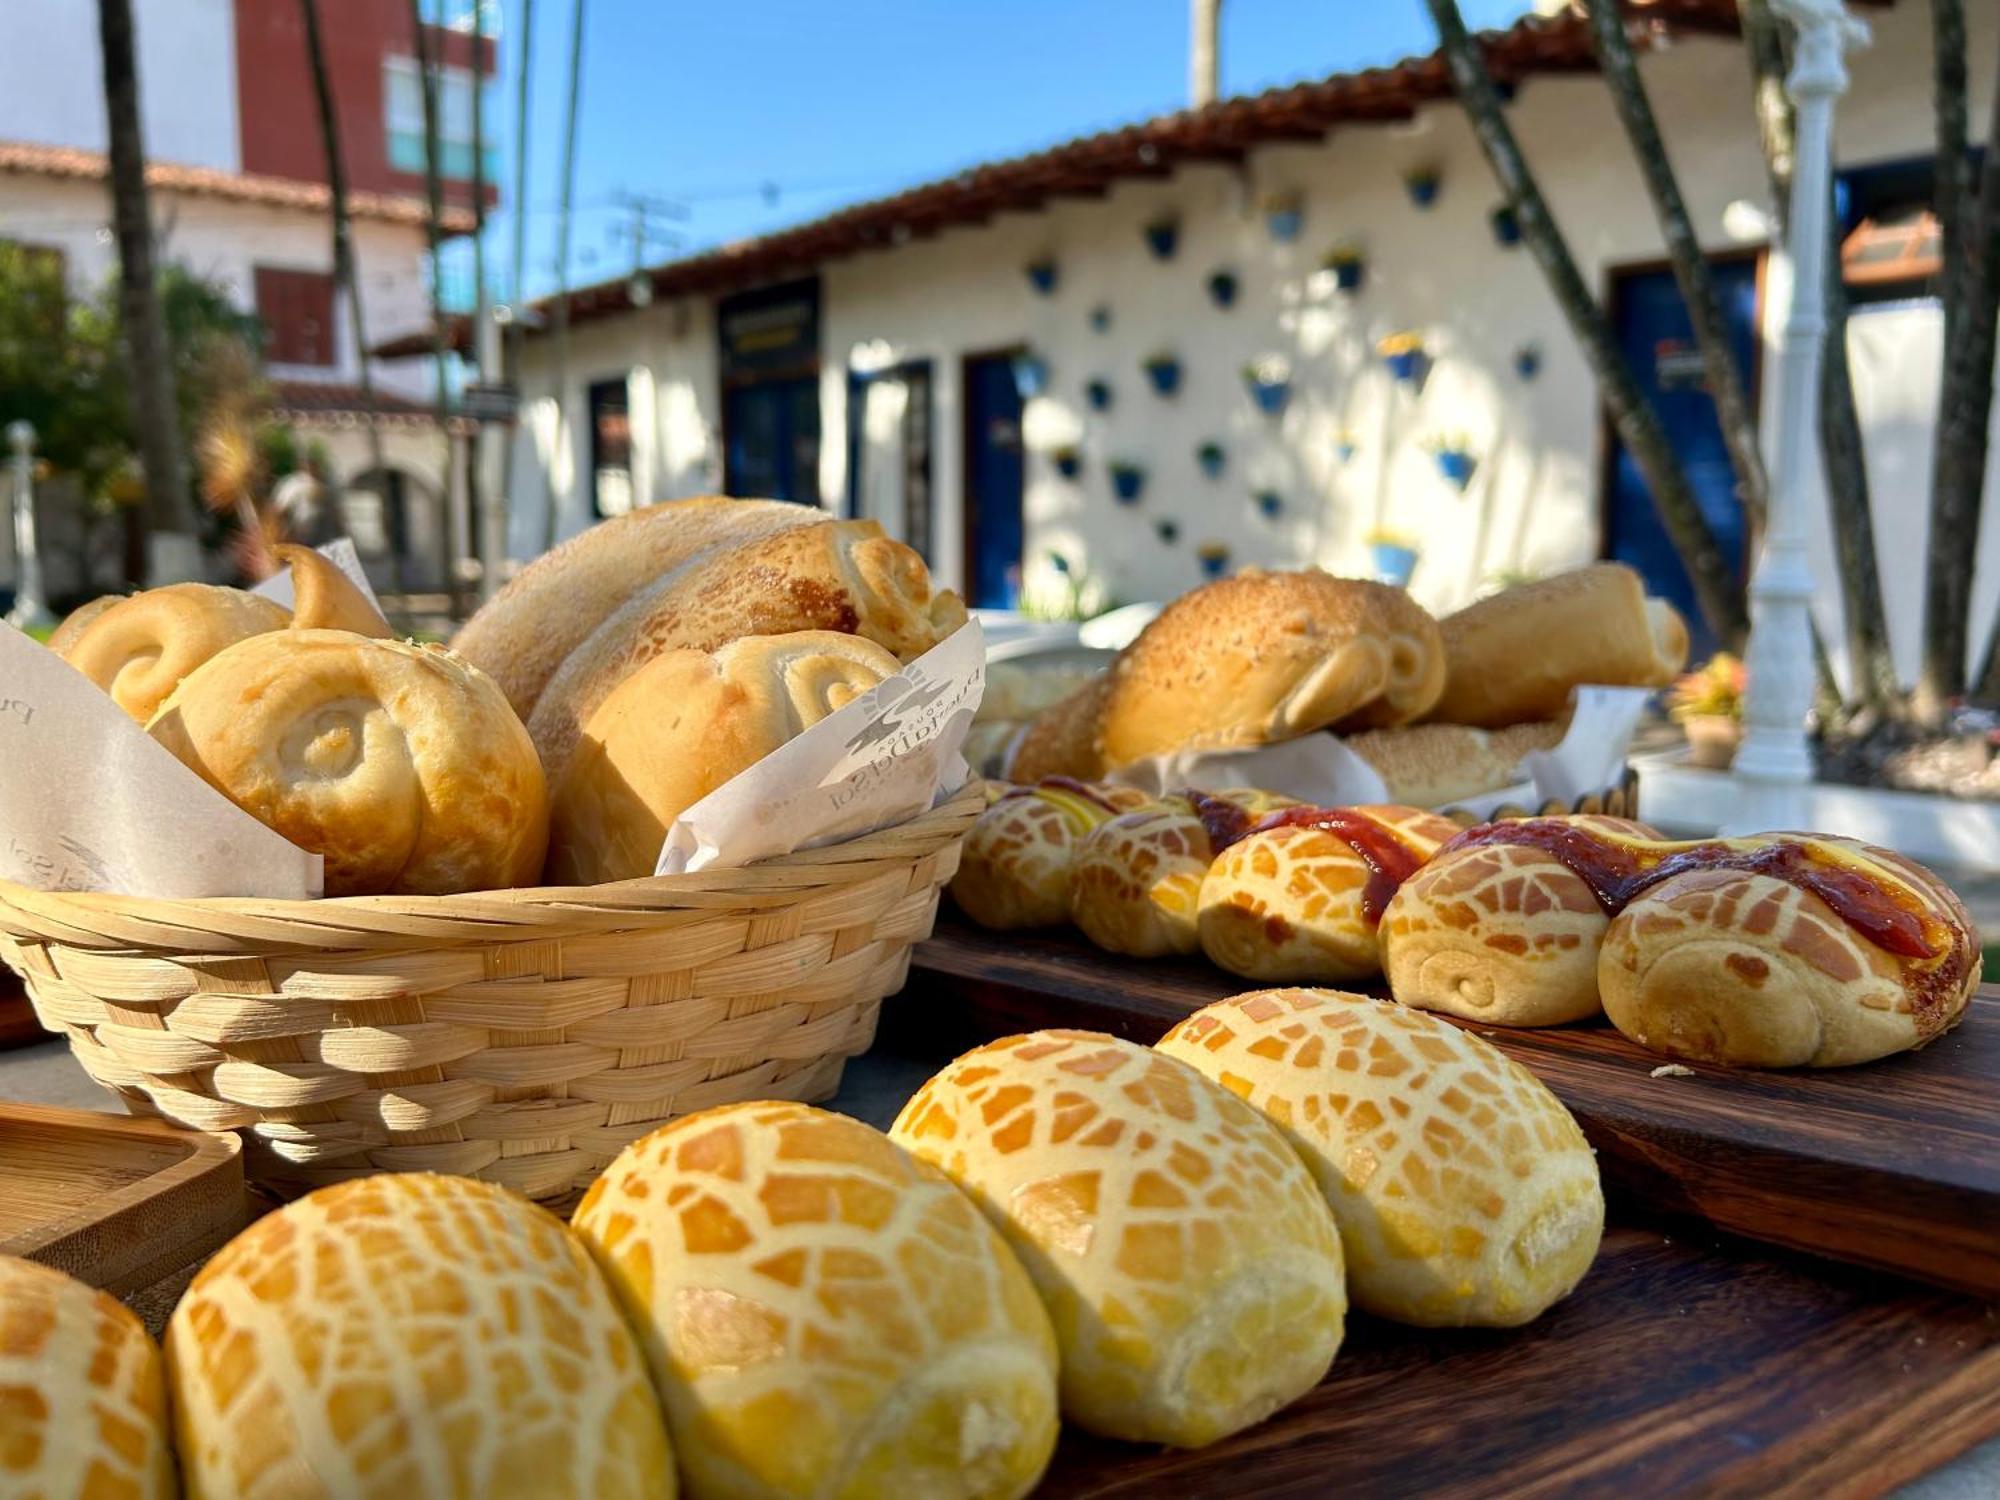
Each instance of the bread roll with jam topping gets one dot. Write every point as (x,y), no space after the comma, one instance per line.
(1015,867)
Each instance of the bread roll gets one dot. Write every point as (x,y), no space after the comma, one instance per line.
(823,1313)
(1301,894)
(1788,951)
(1190,1265)
(1435,765)
(1465,1193)
(1136,880)
(401,764)
(83,1395)
(138,649)
(682,725)
(1518,654)
(411,1335)
(523,633)
(1501,932)
(78,620)
(844,576)
(1262,657)
(1061,740)
(1014,868)
(1018,690)
(324,598)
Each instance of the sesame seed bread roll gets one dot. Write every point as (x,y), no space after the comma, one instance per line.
(824,1314)
(1014,869)
(1435,765)
(1466,1194)
(1189,1263)
(83,1394)
(410,1335)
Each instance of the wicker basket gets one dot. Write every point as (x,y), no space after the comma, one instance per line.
(520,1036)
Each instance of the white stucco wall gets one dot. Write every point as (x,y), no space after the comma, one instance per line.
(52,86)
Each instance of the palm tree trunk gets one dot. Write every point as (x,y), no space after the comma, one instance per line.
(427,73)
(517,293)
(1977,397)
(475,473)
(1718,591)
(154,416)
(561,359)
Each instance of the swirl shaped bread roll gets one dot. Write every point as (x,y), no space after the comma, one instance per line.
(411,1335)
(1190,1266)
(1517,655)
(1135,885)
(324,598)
(523,633)
(1499,928)
(1786,950)
(824,1314)
(400,764)
(1300,893)
(1015,866)
(843,576)
(1465,1193)
(83,1394)
(682,725)
(1261,657)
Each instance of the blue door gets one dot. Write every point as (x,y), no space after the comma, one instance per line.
(993,474)
(1653,332)
(773,447)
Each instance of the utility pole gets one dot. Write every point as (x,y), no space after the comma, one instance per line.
(1204,47)
(561,361)
(493,540)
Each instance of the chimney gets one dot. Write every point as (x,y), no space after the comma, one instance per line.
(1204,19)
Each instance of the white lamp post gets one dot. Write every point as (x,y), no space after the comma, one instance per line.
(1774,763)
(29,609)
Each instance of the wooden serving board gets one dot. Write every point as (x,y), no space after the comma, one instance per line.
(1895,1164)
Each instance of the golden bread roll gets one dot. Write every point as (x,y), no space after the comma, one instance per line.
(1466,1195)
(83,1395)
(1517,655)
(77,620)
(410,1335)
(1435,765)
(1300,894)
(843,576)
(324,598)
(824,1314)
(138,649)
(1018,690)
(1014,868)
(525,631)
(1786,950)
(1135,886)
(1061,740)
(1191,1267)
(682,725)
(1502,931)
(1261,657)
(399,763)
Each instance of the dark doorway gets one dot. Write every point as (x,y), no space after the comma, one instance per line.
(993,481)
(889,451)
(772,440)
(610,447)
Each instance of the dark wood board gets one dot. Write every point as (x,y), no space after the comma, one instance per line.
(1894,1164)
(1675,1369)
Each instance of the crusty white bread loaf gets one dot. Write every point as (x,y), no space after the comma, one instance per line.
(1466,1194)
(1015,865)
(1186,1257)
(523,633)
(410,1335)
(682,725)
(83,1394)
(823,1313)
(1517,655)
(1435,765)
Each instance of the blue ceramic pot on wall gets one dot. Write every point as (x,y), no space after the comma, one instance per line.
(1456,465)
(1423,188)
(1271,396)
(1042,276)
(1128,482)
(1069,463)
(1165,374)
(1031,375)
(1222,288)
(1506,226)
(1285,223)
(1098,394)
(1348,274)
(1394,563)
(1210,457)
(1270,504)
(1163,237)
(1214,559)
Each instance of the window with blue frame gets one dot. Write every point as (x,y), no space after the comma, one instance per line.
(403,109)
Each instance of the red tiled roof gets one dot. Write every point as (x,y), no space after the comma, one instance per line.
(334,403)
(31,158)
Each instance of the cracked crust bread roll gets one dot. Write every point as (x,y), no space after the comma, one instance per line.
(823,1313)
(83,1393)
(1435,765)
(409,1335)
(544,612)
(1516,656)
(1465,1193)
(1014,869)
(1299,894)
(400,764)
(1135,885)
(1189,1264)
(682,725)
(844,576)
(1261,657)
(1501,931)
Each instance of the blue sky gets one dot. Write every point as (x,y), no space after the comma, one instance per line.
(834,101)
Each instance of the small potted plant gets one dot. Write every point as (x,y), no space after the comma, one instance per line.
(1708,705)
(1041,273)
(1128,480)
(1164,371)
(1422,184)
(1068,461)
(1454,459)
(1528,361)
(1284,215)
(1506,225)
(1222,287)
(1344,444)
(1168,530)
(1404,355)
(1394,557)
(1210,456)
(1347,264)
(1097,392)
(1270,504)
(1214,558)
(1269,381)
(1100,318)
(1031,375)
(1163,236)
